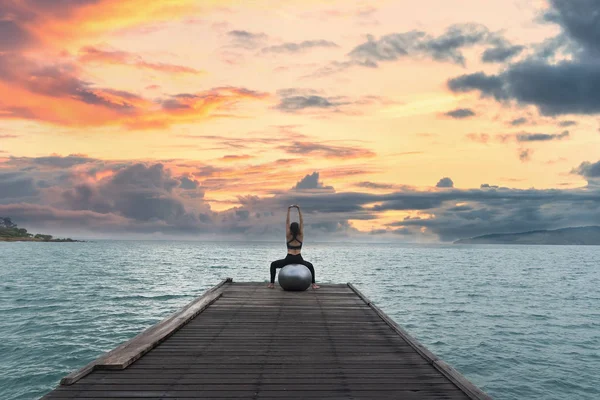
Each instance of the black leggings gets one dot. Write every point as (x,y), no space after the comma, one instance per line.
(291,259)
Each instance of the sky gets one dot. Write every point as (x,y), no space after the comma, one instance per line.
(410,121)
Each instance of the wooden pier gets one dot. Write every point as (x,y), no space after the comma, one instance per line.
(245,341)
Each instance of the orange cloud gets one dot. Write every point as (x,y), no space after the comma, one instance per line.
(58,94)
(235,158)
(70,21)
(93,54)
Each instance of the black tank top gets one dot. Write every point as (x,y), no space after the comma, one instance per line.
(292,247)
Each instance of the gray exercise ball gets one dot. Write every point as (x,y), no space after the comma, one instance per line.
(295,277)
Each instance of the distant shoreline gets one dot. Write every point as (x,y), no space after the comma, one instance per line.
(22,239)
(575,236)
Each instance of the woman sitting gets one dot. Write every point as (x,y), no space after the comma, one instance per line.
(294,234)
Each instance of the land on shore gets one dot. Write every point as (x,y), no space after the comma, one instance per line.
(585,235)
(10,232)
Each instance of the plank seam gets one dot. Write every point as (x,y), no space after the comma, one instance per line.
(452,374)
(103,362)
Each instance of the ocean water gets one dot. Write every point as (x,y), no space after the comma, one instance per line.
(521,322)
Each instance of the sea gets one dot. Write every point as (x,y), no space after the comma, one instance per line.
(520,322)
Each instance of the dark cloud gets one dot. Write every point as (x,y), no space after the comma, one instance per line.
(446,47)
(298,47)
(187,183)
(409,201)
(246,40)
(138,192)
(373,185)
(488,186)
(588,169)
(460,113)
(298,103)
(525,155)
(570,85)
(488,85)
(579,20)
(325,150)
(14,185)
(564,88)
(311,182)
(62,162)
(501,53)
(300,100)
(12,36)
(565,124)
(518,121)
(445,183)
(17,18)
(541,137)
(147,198)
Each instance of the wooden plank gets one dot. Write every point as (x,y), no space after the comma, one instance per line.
(128,352)
(453,375)
(258,343)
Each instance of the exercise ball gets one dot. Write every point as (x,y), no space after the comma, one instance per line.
(295,277)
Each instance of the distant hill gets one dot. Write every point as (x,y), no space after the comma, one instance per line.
(10,232)
(586,235)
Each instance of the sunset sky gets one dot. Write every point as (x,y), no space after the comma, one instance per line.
(422,121)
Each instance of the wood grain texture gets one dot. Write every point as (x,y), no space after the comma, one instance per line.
(251,342)
(453,375)
(125,354)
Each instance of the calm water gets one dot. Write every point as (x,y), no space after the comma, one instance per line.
(521,322)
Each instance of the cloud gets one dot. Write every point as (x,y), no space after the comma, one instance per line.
(16,185)
(291,47)
(187,183)
(41,81)
(311,182)
(296,100)
(324,150)
(517,137)
(501,53)
(588,169)
(308,100)
(578,20)
(12,36)
(556,87)
(445,183)
(446,47)
(36,23)
(374,185)
(541,137)
(246,40)
(127,197)
(34,89)
(236,157)
(460,113)
(525,155)
(565,124)
(297,103)
(62,162)
(488,85)
(518,121)
(95,55)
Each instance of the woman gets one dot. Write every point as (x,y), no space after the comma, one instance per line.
(294,235)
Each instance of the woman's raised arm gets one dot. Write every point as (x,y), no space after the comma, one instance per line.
(301,221)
